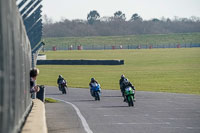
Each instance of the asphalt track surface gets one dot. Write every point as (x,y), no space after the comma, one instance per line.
(153,112)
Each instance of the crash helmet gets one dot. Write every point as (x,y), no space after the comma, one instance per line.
(122,76)
(126,81)
(60,76)
(92,79)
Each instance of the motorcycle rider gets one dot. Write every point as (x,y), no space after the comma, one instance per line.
(126,83)
(91,84)
(59,81)
(121,85)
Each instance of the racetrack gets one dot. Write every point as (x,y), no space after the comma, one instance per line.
(153,112)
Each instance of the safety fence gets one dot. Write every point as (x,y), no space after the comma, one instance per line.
(15,64)
(108,47)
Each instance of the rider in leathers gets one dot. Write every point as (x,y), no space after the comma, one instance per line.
(60,78)
(121,84)
(93,81)
(126,83)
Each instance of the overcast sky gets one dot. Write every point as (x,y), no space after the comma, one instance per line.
(147,9)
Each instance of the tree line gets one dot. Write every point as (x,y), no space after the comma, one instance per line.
(118,25)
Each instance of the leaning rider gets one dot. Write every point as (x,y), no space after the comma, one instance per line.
(121,84)
(126,83)
(91,84)
(59,80)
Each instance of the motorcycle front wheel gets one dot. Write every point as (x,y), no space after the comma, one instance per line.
(130,101)
(64,90)
(96,95)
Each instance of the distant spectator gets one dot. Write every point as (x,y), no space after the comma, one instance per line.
(33,87)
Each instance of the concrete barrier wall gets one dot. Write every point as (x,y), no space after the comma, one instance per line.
(15,63)
(80,62)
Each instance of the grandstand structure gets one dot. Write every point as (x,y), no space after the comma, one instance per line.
(30,11)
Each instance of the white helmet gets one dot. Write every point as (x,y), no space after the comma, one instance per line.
(126,81)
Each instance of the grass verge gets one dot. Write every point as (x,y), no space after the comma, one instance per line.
(50,100)
(165,70)
(148,39)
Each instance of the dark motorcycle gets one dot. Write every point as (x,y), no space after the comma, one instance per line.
(63,87)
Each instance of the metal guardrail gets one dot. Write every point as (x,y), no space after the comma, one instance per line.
(15,64)
(108,47)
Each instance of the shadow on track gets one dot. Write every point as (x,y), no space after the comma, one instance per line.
(54,94)
(85,100)
(113,106)
(111,96)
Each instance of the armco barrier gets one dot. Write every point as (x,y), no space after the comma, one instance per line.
(80,62)
(15,63)
(109,47)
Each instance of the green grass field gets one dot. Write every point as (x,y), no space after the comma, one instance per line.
(166,70)
(151,39)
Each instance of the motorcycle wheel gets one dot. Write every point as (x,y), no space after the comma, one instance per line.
(96,96)
(64,90)
(131,101)
(127,100)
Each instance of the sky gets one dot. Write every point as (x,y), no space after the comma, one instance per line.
(147,9)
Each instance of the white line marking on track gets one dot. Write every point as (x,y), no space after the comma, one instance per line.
(164,123)
(113,115)
(183,127)
(84,122)
(193,127)
(173,118)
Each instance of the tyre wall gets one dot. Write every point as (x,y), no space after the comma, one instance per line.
(80,62)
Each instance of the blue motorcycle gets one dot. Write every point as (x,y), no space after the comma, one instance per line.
(95,91)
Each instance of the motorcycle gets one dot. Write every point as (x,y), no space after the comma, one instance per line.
(95,91)
(63,86)
(129,95)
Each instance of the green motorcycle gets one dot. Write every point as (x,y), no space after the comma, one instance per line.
(129,95)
